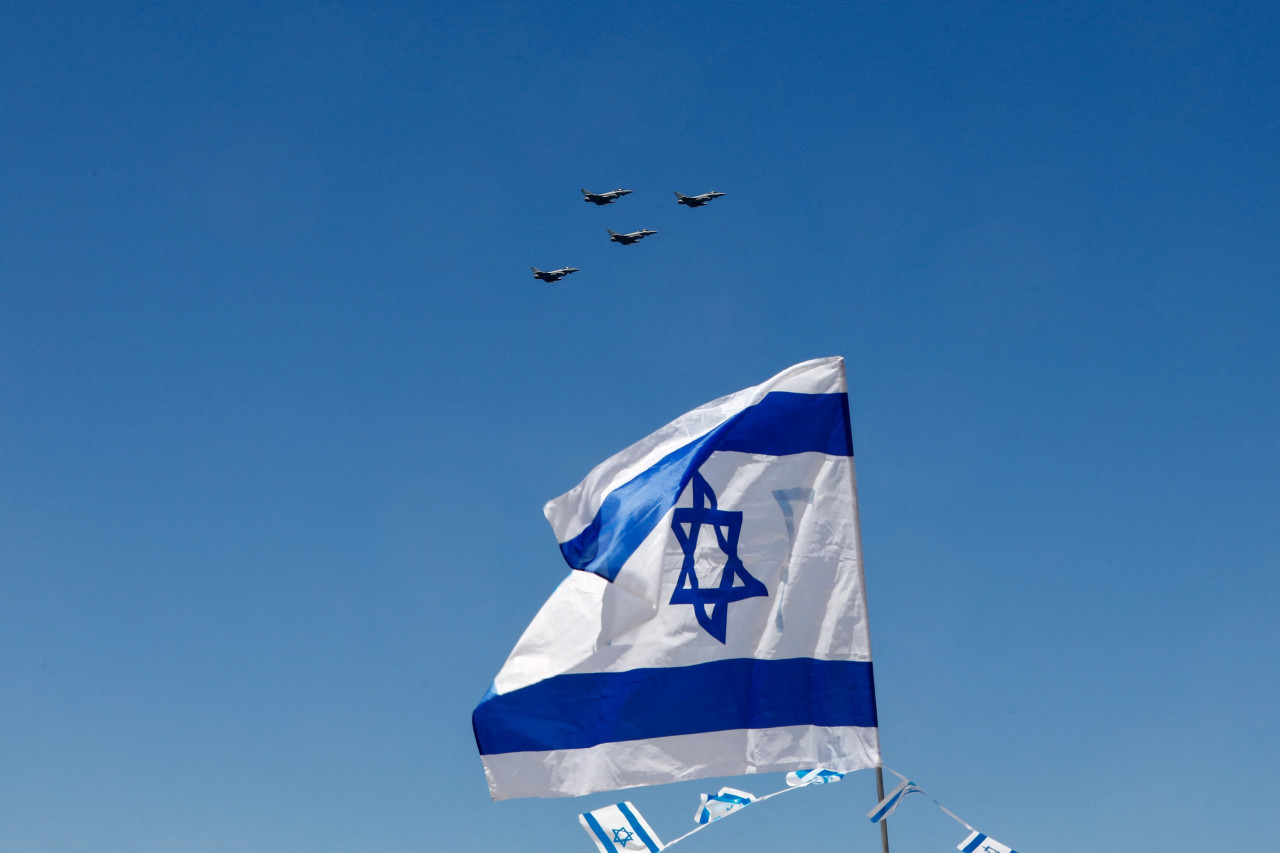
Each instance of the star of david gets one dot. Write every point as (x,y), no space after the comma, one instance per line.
(622,836)
(687,522)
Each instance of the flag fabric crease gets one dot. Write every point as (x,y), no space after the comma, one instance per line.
(715,622)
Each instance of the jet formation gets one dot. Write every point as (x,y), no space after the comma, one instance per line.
(610,197)
(628,239)
(604,198)
(553,275)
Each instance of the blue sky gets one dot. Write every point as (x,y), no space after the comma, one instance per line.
(280,402)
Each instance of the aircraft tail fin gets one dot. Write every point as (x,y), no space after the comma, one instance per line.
(535,270)
(612,233)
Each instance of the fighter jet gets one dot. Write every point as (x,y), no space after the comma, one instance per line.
(604,198)
(628,239)
(695,200)
(552,275)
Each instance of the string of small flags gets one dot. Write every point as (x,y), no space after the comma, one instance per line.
(977,842)
(620,828)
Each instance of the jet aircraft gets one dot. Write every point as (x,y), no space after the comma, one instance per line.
(628,239)
(695,200)
(604,198)
(552,275)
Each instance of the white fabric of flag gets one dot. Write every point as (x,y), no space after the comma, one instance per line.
(796,778)
(620,828)
(886,806)
(721,804)
(715,623)
(979,843)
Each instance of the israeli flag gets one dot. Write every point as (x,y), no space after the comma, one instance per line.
(979,843)
(889,803)
(796,778)
(716,806)
(716,620)
(620,827)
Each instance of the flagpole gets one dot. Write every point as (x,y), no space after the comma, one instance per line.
(857,538)
(884,823)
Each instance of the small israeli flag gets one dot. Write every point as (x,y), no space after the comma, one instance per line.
(716,806)
(979,843)
(620,827)
(889,803)
(796,778)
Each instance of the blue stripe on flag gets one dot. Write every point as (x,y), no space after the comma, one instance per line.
(581,710)
(599,831)
(973,845)
(783,423)
(638,827)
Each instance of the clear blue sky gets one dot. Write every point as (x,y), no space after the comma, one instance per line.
(280,401)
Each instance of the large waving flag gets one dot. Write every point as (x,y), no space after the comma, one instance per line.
(716,622)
